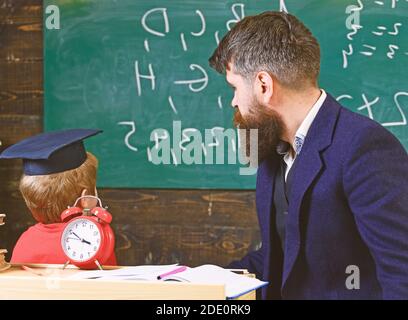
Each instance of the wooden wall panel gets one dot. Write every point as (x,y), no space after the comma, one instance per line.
(152,226)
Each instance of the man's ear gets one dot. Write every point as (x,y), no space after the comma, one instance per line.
(264,85)
(87,203)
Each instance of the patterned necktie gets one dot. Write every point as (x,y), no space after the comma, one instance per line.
(299,143)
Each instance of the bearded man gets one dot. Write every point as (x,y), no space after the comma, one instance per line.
(332,186)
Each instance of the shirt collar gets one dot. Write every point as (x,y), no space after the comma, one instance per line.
(283,147)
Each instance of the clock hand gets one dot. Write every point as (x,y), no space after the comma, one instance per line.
(73,238)
(79,238)
(87,242)
(76,235)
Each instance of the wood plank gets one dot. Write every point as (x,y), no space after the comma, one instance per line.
(16,9)
(14,128)
(21,31)
(21,102)
(189,205)
(22,76)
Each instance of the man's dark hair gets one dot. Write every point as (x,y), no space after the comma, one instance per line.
(275,42)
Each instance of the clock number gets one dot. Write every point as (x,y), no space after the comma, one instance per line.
(95,248)
(91,226)
(95,233)
(74,253)
(84,224)
(81,256)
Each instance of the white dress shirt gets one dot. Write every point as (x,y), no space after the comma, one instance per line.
(283,148)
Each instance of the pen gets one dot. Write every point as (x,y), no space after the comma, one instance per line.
(239,271)
(177,270)
(32,270)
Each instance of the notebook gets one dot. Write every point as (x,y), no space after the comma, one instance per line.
(145,272)
(235,284)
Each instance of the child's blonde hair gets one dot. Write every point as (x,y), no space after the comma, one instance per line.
(48,195)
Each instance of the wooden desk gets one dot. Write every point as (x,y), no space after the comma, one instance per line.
(16,283)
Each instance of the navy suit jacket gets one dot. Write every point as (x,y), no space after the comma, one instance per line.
(348,207)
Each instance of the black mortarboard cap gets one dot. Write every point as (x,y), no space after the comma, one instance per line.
(51,152)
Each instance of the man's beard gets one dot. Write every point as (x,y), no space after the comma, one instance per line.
(269,125)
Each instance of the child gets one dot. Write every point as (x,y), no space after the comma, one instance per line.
(57,171)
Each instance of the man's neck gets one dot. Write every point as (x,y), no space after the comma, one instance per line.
(293,108)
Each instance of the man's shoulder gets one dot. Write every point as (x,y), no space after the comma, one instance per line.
(350,120)
(354,128)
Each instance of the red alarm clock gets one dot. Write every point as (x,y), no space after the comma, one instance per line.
(87,240)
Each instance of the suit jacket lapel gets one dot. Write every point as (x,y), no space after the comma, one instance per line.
(264,192)
(264,202)
(308,167)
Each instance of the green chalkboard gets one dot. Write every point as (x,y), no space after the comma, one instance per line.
(131,67)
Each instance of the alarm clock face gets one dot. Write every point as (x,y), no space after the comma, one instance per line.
(81,239)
